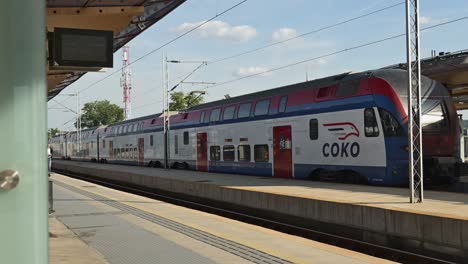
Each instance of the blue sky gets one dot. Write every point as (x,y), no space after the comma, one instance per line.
(257,23)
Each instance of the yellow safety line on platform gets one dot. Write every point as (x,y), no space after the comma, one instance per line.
(222,235)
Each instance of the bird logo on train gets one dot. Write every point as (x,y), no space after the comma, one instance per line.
(342,131)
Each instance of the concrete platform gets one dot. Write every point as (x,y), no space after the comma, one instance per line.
(127,228)
(382,215)
(67,248)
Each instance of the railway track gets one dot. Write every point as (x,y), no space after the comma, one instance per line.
(459,187)
(256,218)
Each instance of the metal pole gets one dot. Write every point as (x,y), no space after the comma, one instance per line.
(414,102)
(79,121)
(164,65)
(166,90)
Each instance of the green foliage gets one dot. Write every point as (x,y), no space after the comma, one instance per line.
(177,101)
(52,132)
(181,101)
(100,113)
(193,99)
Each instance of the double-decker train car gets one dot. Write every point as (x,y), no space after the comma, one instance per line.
(348,127)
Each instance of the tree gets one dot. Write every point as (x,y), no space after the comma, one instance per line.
(100,113)
(53,132)
(177,101)
(181,101)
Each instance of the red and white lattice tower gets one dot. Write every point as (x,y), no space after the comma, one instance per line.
(126,82)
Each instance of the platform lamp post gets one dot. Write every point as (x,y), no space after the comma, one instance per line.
(415,165)
(166,92)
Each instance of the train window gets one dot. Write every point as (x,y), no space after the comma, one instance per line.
(176,144)
(261,107)
(215,153)
(133,128)
(202,117)
(103,143)
(390,125)
(324,92)
(229,112)
(282,104)
(215,115)
(371,128)
(186,138)
(153,121)
(244,110)
(228,153)
(151,140)
(434,119)
(348,88)
(313,129)
(261,153)
(243,152)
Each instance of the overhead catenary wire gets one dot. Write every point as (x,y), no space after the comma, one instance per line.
(305,34)
(253,50)
(327,55)
(324,28)
(160,47)
(332,53)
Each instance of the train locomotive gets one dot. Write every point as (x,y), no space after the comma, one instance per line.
(347,128)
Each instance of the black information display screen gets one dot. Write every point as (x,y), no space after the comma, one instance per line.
(83,48)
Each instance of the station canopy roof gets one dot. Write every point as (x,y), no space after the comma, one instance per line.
(126,18)
(451,69)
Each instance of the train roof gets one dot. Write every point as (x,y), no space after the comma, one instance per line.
(393,74)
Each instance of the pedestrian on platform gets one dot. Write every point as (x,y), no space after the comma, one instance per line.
(50,151)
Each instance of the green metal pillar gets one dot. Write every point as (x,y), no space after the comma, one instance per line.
(23,209)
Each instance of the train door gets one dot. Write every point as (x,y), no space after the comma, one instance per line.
(282,152)
(111,149)
(202,152)
(141,151)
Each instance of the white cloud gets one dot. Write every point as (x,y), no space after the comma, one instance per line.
(246,71)
(220,29)
(322,61)
(284,34)
(424,20)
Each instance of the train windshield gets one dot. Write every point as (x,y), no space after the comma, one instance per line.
(390,125)
(434,118)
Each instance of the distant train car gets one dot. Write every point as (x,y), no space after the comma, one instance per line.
(348,127)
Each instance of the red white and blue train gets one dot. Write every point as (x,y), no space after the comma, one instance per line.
(348,127)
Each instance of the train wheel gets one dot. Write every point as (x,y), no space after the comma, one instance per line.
(151,164)
(185,166)
(315,175)
(157,164)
